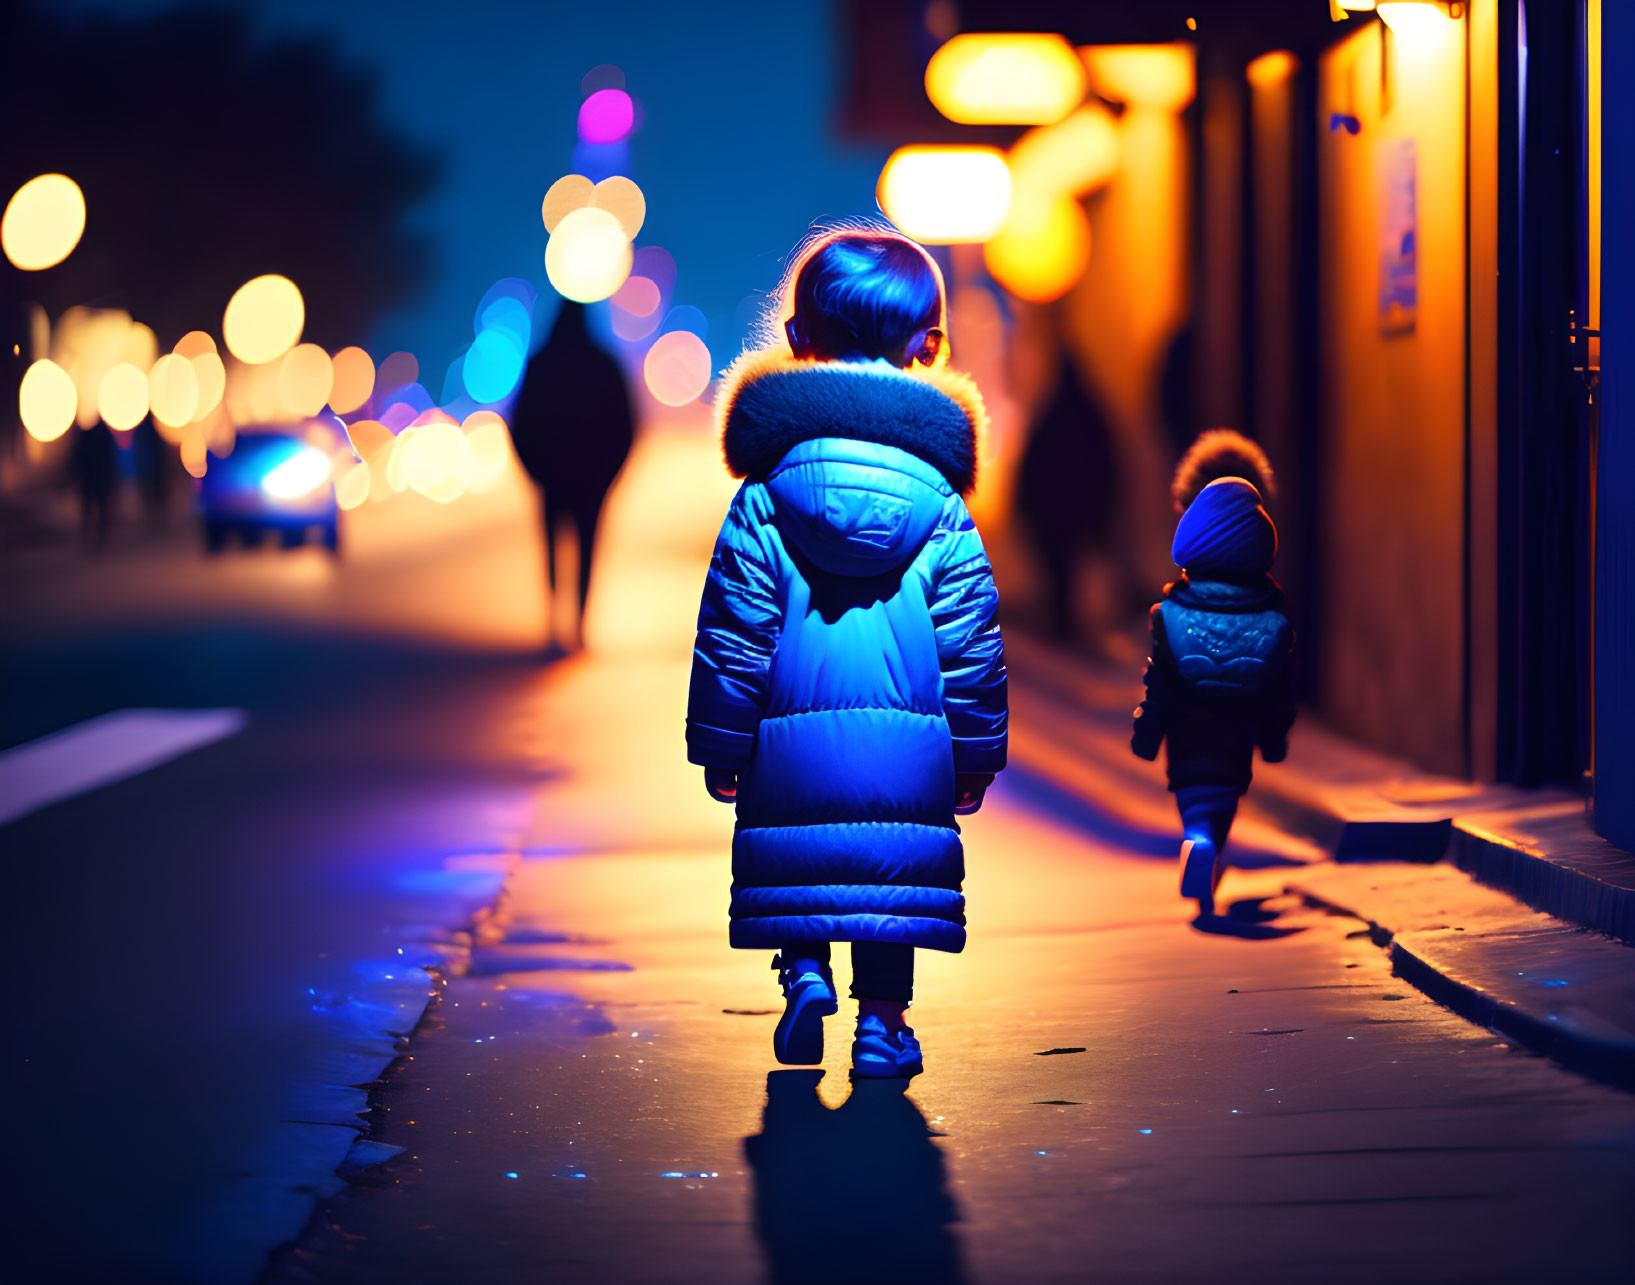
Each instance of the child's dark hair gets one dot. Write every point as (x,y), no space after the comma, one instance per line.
(862,294)
(1218,453)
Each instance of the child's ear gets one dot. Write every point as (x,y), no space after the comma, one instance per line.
(924,348)
(797,337)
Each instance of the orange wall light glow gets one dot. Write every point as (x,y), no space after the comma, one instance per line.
(1162,77)
(1043,248)
(1271,69)
(1005,78)
(946,195)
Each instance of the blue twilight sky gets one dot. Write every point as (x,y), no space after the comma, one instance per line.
(735,153)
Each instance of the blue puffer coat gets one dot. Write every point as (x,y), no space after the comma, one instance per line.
(848,663)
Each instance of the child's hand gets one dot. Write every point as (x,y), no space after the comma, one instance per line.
(969,787)
(722,785)
(1147,736)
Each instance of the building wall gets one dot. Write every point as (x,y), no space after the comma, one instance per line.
(1615,517)
(1393,493)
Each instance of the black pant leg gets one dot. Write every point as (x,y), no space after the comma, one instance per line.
(883,970)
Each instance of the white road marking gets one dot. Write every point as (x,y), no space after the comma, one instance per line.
(103,750)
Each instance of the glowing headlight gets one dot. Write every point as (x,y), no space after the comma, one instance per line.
(300,475)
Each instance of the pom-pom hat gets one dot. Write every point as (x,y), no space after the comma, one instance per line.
(1225,534)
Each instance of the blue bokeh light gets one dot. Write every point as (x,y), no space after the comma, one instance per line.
(493,364)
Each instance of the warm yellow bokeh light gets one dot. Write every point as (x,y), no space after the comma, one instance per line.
(1069,158)
(195,455)
(263,320)
(140,346)
(677,368)
(194,343)
(490,443)
(436,461)
(252,393)
(945,195)
(211,372)
(588,256)
(43,222)
(354,380)
(1043,249)
(352,484)
(621,198)
(1005,78)
(1162,77)
(569,193)
(173,391)
(47,400)
(122,397)
(88,342)
(304,380)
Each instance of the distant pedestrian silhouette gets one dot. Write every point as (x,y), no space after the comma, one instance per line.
(154,460)
(93,460)
(572,428)
(1066,487)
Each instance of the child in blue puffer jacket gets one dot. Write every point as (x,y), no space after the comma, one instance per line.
(848,681)
(1220,675)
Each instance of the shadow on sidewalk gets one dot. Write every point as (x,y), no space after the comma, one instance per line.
(1248,920)
(854,1194)
(1127,832)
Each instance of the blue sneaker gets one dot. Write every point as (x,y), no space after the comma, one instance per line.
(1201,871)
(877,1055)
(809,997)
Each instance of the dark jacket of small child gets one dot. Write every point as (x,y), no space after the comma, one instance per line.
(1220,674)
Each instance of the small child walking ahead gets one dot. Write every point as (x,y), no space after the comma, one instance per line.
(1219,677)
(848,683)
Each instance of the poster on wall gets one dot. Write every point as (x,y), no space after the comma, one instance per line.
(1399,279)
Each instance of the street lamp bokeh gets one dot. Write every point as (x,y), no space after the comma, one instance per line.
(946,195)
(43,222)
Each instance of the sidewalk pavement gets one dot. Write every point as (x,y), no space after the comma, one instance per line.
(1506,907)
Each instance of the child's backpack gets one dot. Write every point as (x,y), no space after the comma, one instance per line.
(1228,651)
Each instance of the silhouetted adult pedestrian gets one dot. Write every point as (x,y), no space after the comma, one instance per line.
(94,461)
(572,428)
(1066,487)
(154,461)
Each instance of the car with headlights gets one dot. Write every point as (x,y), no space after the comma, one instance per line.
(277,481)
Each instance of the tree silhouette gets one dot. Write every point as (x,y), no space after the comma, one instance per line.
(208,157)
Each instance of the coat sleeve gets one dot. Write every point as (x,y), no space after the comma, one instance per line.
(1162,690)
(964,607)
(1279,717)
(738,624)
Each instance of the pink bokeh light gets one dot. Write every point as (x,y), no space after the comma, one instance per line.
(606,116)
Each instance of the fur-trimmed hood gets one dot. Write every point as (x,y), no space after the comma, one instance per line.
(770,403)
